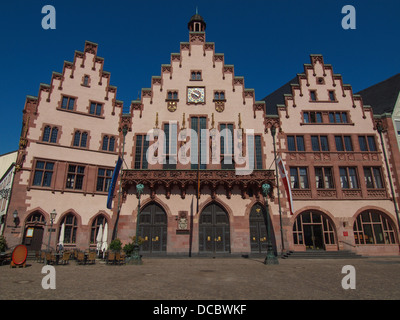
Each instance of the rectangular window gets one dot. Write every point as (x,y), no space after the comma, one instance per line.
(312,117)
(258,151)
(332,95)
(319,143)
(103,179)
(295,143)
(140,152)
(347,143)
(95,108)
(67,103)
(324,178)
(367,143)
(338,117)
(373,177)
(195,75)
(75,176)
(172,95)
(348,178)
(219,95)
(313,96)
(197,145)
(343,143)
(226,140)
(299,178)
(43,173)
(170,145)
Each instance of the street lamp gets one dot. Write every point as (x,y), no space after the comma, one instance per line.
(135,257)
(16,219)
(273,133)
(270,258)
(53,215)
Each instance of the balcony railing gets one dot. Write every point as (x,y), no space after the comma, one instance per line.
(210,178)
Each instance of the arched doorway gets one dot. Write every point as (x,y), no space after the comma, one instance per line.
(314,230)
(258,231)
(34,228)
(153,229)
(214,232)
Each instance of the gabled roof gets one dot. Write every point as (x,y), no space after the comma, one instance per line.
(277,97)
(383,95)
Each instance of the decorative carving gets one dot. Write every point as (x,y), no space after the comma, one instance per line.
(183,178)
(171,106)
(197,37)
(219,106)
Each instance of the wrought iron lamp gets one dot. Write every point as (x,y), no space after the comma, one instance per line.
(16,218)
(270,258)
(53,215)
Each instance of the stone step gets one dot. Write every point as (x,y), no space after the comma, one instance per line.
(321,254)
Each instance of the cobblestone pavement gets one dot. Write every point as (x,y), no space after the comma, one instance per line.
(207,279)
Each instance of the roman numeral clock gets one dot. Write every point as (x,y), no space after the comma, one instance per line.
(196,95)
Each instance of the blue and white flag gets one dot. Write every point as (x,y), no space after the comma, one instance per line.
(113,182)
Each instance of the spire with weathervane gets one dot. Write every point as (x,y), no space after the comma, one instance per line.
(196,23)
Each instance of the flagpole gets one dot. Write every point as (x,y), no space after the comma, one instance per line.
(115,231)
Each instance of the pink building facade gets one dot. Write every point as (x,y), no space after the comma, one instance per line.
(201,145)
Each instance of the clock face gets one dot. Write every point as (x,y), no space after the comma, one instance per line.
(195,95)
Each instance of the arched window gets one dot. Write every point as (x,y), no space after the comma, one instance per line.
(54,134)
(314,230)
(373,227)
(77,138)
(71,226)
(105,143)
(108,143)
(112,144)
(35,218)
(46,134)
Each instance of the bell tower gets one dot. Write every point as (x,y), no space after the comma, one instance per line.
(196,23)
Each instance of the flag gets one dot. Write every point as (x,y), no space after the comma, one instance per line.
(113,182)
(285,180)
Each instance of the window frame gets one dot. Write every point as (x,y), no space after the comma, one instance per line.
(43,173)
(343,143)
(75,179)
(68,103)
(349,180)
(330,184)
(366,228)
(295,178)
(140,161)
(103,179)
(296,139)
(375,176)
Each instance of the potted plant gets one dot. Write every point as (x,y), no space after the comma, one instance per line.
(116,245)
(128,248)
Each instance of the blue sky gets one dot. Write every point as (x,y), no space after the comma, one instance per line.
(267,41)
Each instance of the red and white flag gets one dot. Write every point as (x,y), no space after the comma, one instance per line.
(286,183)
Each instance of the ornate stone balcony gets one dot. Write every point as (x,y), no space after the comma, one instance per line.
(167,179)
